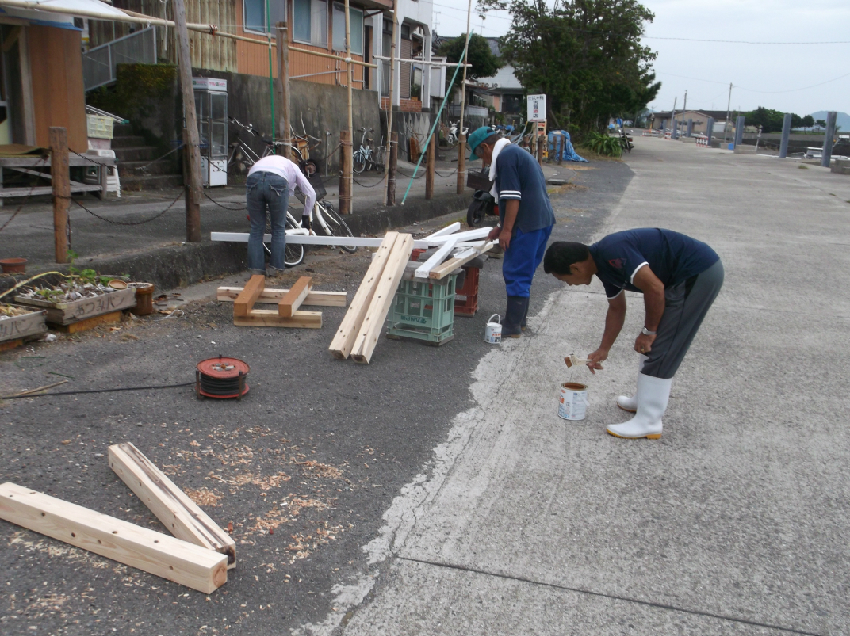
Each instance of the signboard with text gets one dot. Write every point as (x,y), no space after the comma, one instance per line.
(536,108)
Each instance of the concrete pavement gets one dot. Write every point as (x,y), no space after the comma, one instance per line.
(735,522)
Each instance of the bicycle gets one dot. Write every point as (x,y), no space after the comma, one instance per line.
(325,218)
(242,156)
(301,146)
(452,138)
(363,155)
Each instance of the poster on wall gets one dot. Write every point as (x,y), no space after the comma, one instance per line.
(536,108)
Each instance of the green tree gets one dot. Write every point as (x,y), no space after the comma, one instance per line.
(808,121)
(586,55)
(769,120)
(484,63)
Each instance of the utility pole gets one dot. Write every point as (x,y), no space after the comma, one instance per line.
(195,188)
(461,136)
(728,113)
(685,103)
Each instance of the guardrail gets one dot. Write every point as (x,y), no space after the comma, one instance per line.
(100,64)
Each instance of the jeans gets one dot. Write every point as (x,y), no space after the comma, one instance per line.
(266,190)
(523,256)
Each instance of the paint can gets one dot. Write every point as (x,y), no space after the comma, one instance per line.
(493,330)
(572,403)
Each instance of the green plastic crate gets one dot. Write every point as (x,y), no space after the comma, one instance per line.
(424,309)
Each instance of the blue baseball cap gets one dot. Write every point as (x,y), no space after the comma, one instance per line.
(476,138)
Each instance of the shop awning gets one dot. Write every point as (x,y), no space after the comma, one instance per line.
(94,9)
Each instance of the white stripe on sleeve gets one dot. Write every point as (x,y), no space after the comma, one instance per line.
(632,279)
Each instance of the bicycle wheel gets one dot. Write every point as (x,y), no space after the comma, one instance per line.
(360,161)
(293,253)
(334,225)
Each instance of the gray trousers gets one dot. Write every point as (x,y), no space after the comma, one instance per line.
(685,306)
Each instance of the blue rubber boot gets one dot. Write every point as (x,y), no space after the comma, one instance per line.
(514,316)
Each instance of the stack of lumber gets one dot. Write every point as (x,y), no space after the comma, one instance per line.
(197,556)
(288,301)
(360,329)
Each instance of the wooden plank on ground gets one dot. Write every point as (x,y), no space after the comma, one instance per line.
(142,548)
(373,322)
(177,512)
(270,318)
(245,301)
(290,303)
(440,272)
(314,298)
(346,335)
(435,259)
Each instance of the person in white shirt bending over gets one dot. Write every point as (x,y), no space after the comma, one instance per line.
(270,183)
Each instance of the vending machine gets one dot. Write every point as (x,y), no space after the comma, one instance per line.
(211,106)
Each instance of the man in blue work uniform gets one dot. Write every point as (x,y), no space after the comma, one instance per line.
(525,218)
(679,277)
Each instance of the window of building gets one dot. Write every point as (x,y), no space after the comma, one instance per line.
(356,29)
(416,83)
(254,18)
(310,22)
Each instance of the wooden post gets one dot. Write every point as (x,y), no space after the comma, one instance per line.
(349,149)
(430,168)
(392,138)
(461,162)
(195,184)
(392,168)
(61,190)
(283,86)
(540,139)
(461,144)
(344,183)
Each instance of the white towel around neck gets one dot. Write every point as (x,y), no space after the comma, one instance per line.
(497,148)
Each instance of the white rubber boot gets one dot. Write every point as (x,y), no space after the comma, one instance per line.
(630,403)
(653,394)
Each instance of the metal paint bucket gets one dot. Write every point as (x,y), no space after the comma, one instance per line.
(493,330)
(572,403)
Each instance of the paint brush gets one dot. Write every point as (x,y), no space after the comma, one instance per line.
(571,360)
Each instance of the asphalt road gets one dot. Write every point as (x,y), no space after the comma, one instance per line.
(316,452)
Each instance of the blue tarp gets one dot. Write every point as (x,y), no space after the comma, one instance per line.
(568,153)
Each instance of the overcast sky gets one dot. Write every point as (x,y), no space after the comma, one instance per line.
(800,78)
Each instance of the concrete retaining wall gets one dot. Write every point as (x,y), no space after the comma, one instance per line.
(158,116)
(179,266)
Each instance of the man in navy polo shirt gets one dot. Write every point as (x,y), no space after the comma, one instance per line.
(525,218)
(679,277)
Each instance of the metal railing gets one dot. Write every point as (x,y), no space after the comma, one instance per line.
(100,64)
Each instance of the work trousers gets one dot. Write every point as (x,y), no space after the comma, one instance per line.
(522,258)
(266,190)
(685,306)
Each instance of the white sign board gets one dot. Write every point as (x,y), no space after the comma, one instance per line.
(536,108)
(212,84)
